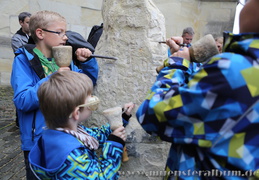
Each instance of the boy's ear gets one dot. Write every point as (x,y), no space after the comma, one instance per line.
(39,33)
(76,113)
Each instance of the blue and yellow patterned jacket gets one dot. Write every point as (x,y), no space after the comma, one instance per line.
(58,155)
(211,116)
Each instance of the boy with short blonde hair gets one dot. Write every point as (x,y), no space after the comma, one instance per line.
(33,64)
(61,94)
(43,19)
(66,149)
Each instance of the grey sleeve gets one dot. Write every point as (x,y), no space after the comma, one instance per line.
(16,42)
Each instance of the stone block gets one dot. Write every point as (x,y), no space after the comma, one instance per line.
(5,41)
(91,17)
(4,18)
(6,52)
(223,15)
(89,4)
(79,29)
(71,12)
(14,24)
(92,4)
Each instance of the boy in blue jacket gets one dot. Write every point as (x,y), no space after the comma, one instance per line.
(33,64)
(66,149)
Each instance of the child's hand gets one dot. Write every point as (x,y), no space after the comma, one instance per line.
(120,132)
(82,54)
(128,107)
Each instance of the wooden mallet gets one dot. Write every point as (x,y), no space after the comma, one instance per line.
(201,51)
(114,116)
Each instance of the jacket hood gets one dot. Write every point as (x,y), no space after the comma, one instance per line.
(52,149)
(27,50)
(34,60)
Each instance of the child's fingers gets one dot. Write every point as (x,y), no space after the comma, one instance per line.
(120,132)
(129,107)
(119,129)
(83,53)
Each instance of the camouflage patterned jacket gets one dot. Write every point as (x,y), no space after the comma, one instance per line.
(210,116)
(58,155)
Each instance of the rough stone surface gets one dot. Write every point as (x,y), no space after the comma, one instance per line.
(134,41)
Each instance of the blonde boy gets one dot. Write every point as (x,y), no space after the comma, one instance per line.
(33,64)
(66,149)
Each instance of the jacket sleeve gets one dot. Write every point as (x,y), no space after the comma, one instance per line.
(25,84)
(90,68)
(88,166)
(101,134)
(108,164)
(16,42)
(178,107)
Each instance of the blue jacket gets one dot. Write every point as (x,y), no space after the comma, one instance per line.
(211,116)
(27,75)
(58,155)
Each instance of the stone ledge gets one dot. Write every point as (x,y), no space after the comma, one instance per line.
(5,41)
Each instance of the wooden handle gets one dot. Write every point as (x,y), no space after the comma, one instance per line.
(106,57)
(125,157)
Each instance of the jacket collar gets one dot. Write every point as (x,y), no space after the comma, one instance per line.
(34,60)
(20,32)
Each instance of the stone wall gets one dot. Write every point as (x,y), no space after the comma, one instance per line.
(205,16)
(134,41)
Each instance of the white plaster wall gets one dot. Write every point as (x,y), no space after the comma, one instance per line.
(204,16)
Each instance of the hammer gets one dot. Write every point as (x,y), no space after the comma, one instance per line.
(201,50)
